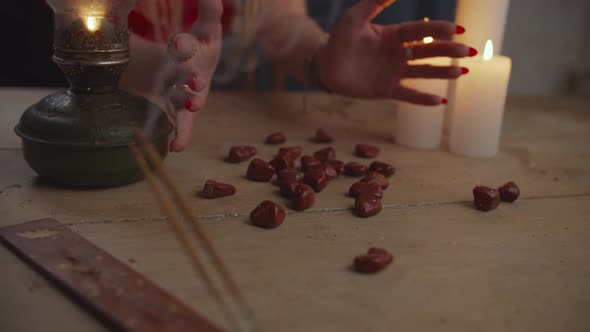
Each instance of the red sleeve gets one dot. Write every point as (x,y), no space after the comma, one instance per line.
(141,24)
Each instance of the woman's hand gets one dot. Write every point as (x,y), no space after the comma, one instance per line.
(366,60)
(187,79)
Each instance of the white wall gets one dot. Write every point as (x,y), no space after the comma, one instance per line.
(547,41)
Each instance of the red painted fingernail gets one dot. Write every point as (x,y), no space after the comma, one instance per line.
(460,30)
(192,84)
(188,104)
(444,101)
(464,70)
(472,51)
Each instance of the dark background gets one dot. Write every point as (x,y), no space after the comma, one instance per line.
(27,30)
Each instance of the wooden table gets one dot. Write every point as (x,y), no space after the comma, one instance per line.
(522,267)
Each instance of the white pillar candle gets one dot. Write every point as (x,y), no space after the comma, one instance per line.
(478,108)
(482,20)
(418,126)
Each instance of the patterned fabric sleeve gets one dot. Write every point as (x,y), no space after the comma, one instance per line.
(156,20)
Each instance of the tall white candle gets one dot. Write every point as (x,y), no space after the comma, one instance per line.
(418,126)
(483,20)
(478,109)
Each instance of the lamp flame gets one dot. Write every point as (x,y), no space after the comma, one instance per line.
(92,23)
(488,53)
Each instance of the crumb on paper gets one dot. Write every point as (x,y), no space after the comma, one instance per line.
(132,261)
(37,234)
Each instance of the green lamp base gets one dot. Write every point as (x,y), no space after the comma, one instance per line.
(78,139)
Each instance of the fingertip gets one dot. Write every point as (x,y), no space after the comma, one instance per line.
(433,100)
(184,127)
(191,104)
(188,104)
(181,46)
(179,143)
(192,84)
(194,106)
(456,72)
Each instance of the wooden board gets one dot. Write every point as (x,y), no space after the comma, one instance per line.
(123,298)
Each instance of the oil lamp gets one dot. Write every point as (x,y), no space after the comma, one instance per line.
(79,136)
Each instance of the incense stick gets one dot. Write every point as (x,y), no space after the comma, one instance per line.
(247,321)
(179,228)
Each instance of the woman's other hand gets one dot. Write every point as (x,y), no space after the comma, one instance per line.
(367,60)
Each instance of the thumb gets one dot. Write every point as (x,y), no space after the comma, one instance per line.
(366,10)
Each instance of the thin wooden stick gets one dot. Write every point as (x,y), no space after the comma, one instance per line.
(180,230)
(197,229)
(154,158)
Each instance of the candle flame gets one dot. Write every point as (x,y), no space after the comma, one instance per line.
(92,23)
(488,53)
(427,40)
